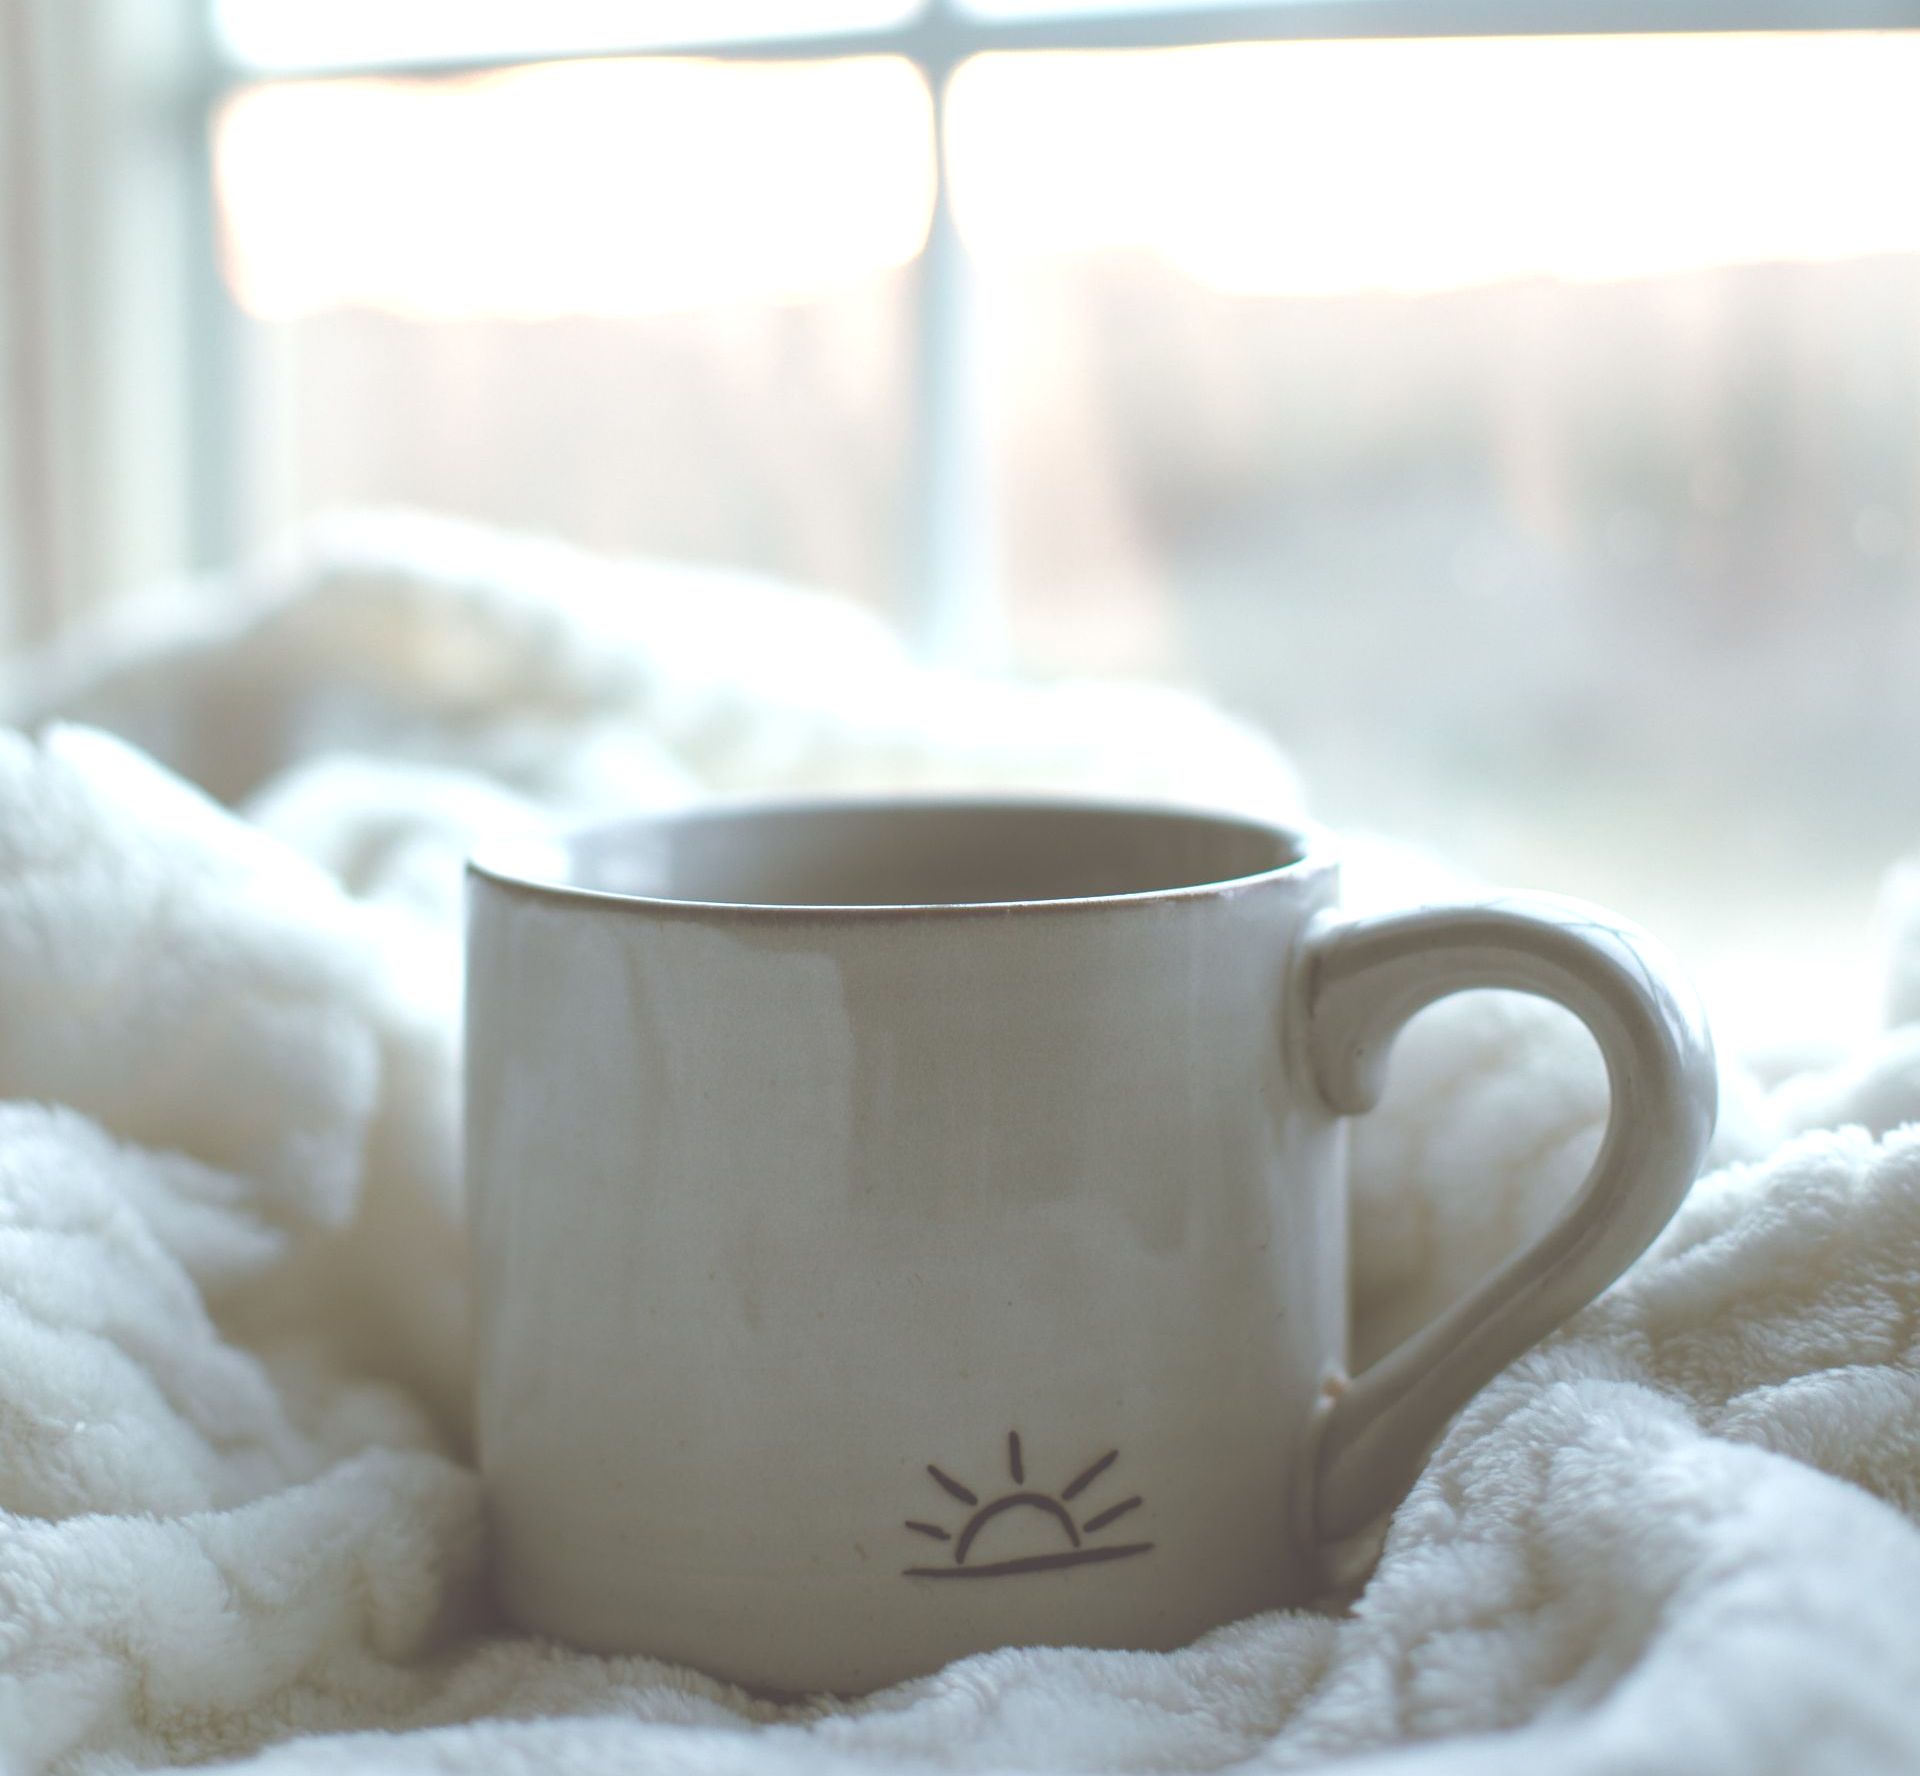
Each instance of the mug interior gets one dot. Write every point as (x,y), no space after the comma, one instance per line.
(903,853)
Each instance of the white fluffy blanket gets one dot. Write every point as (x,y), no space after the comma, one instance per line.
(238,1525)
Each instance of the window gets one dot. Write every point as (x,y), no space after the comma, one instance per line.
(1513,404)
(1527,431)
(656,304)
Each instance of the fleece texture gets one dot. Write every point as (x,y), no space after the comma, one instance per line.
(237,1525)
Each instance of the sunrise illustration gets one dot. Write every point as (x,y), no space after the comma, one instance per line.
(1058,1509)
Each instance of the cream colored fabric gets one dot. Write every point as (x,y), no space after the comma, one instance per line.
(1684,1535)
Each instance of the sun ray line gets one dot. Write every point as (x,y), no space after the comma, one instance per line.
(1015,1466)
(930,1529)
(1088,1475)
(965,1494)
(1108,1515)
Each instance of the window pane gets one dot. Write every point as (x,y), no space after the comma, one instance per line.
(291,35)
(1528,430)
(652,305)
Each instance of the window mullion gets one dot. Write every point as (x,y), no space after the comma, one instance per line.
(953,612)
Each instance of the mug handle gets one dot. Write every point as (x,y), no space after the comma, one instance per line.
(1362,979)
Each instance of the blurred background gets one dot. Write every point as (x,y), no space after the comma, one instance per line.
(1513,405)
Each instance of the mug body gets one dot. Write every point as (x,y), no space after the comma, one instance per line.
(899,1231)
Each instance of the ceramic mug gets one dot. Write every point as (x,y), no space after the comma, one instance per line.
(903,1228)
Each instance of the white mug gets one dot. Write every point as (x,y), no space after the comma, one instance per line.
(903,1228)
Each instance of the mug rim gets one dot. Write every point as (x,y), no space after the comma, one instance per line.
(533,864)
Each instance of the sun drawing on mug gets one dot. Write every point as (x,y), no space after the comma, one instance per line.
(1056,1508)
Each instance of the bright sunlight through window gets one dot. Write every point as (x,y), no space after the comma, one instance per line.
(632,187)
(1314,169)
(610,188)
